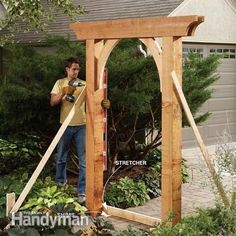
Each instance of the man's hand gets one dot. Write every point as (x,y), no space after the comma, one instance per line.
(105,103)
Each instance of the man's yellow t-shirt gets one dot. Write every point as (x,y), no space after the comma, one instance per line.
(79,117)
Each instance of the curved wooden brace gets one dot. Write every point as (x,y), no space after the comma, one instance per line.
(103,57)
(111,43)
(156,53)
(192,27)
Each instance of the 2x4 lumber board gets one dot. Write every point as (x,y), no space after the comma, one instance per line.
(171,132)
(90,109)
(137,28)
(11,199)
(48,153)
(94,131)
(98,151)
(197,134)
(177,130)
(132,216)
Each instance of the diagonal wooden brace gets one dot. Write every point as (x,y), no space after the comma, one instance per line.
(201,145)
(48,153)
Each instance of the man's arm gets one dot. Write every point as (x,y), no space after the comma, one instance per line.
(56,98)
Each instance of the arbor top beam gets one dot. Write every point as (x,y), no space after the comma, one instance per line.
(137,28)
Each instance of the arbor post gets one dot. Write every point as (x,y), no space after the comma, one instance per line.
(171,131)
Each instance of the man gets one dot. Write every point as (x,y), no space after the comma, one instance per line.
(64,94)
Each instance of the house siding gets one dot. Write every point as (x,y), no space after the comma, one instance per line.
(220,16)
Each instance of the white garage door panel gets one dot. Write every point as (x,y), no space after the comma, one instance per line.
(189,135)
(227,66)
(215,130)
(224,91)
(222,105)
(221,116)
(227,79)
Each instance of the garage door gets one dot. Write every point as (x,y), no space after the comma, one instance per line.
(222,105)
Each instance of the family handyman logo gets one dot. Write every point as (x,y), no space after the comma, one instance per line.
(62,219)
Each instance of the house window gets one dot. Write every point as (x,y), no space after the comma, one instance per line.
(195,50)
(227,53)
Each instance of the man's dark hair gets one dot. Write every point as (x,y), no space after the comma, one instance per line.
(70,61)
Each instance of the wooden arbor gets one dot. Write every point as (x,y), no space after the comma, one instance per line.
(101,37)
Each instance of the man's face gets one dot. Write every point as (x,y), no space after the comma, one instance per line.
(73,71)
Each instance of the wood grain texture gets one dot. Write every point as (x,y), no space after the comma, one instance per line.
(11,199)
(130,215)
(156,53)
(94,129)
(105,53)
(171,131)
(90,109)
(137,28)
(177,138)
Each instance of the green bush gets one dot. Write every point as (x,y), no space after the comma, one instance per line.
(126,193)
(19,152)
(208,222)
(26,85)
(152,180)
(153,157)
(131,232)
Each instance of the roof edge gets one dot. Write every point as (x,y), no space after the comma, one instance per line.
(182,5)
(232,4)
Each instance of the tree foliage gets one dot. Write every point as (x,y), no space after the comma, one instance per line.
(34,14)
(134,91)
(26,86)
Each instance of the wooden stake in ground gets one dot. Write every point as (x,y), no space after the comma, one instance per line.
(205,154)
(11,199)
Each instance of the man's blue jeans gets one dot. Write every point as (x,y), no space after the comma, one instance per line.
(78,134)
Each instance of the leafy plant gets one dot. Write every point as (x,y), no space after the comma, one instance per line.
(51,196)
(126,193)
(102,227)
(131,232)
(216,221)
(152,180)
(8,184)
(17,181)
(153,157)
